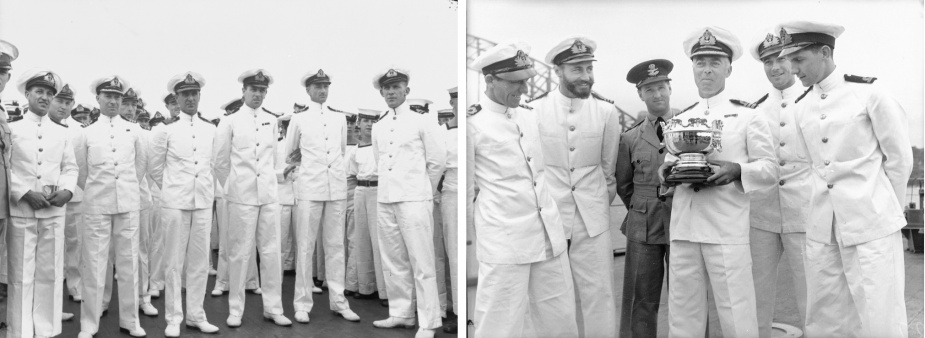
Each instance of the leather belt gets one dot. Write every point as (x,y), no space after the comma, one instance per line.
(362,183)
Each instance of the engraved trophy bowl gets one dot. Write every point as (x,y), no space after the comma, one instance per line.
(691,143)
(47,190)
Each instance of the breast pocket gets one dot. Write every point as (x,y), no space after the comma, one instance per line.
(243,137)
(96,156)
(588,148)
(643,167)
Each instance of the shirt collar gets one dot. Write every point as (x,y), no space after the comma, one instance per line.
(788,94)
(573,104)
(35,118)
(829,83)
(246,109)
(652,118)
(186,117)
(315,107)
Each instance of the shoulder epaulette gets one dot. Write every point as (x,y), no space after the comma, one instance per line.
(129,121)
(804,94)
(765,97)
(537,98)
(690,107)
(599,97)
(269,112)
(337,110)
(233,111)
(14,118)
(473,109)
(526,107)
(383,116)
(860,79)
(204,119)
(743,103)
(635,125)
(58,123)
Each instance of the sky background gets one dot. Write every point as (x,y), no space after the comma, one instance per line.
(883,39)
(148,42)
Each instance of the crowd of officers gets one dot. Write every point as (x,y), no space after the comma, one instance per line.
(814,174)
(360,203)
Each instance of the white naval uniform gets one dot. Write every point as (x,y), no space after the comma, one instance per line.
(525,282)
(251,280)
(181,165)
(409,157)
(42,155)
(779,212)
(287,215)
(580,140)
(861,156)
(111,155)
(321,134)
(245,156)
(449,208)
(710,227)
(157,233)
(361,275)
(73,222)
(363,166)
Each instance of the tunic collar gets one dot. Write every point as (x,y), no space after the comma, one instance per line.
(573,104)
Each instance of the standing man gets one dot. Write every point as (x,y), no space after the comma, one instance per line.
(321,134)
(181,166)
(42,176)
(362,165)
(8,53)
(641,152)
(245,154)
(709,221)
(580,137)
(858,142)
(448,203)
(525,282)
(112,159)
(779,213)
(410,157)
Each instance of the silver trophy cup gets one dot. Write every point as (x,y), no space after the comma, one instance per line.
(691,143)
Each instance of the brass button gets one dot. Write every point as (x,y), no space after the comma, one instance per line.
(534,184)
(329,165)
(112,136)
(540,209)
(572,128)
(40,163)
(824,96)
(40,150)
(571,149)
(827,162)
(825,140)
(196,176)
(194,136)
(696,189)
(39,177)
(117,177)
(521,134)
(529,158)
(572,169)
(258,144)
(573,188)
(196,162)
(781,182)
(782,123)
(705,112)
(194,149)
(822,117)
(831,185)
(783,105)
(661,151)
(782,143)
(40,137)
(782,163)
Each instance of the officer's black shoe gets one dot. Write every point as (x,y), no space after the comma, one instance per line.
(348,293)
(373,295)
(384,303)
(450,326)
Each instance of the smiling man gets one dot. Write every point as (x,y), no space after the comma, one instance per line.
(779,213)
(42,178)
(641,151)
(709,221)
(525,283)
(861,157)
(580,135)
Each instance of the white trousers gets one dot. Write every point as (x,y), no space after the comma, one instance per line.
(363,262)
(591,260)
(3,252)
(451,235)
(767,249)
(317,256)
(353,246)
(856,291)
(157,234)
(36,275)
(101,231)
(251,225)
(329,216)
(728,269)
(221,279)
(287,220)
(526,300)
(439,256)
(407,244)
(73,222)
(144,240)
(366,218)
(187,245)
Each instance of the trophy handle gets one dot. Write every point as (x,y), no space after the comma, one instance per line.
(717,140)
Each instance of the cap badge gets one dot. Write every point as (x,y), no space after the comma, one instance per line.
(320,73)
(189,79)
(391,73)
(771,40)
(785,37)
(579,47)
(707,39)
(66,90)
(653,71)
(522,60)
(50,78)
(130,92)
(260,77)
(115,83)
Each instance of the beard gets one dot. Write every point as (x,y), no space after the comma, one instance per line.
(572,87)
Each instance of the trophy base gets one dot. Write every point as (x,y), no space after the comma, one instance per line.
(689,175)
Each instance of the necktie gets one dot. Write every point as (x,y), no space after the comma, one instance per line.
(658,129)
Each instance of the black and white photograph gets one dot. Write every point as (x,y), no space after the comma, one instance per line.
(688,169)
(213,168)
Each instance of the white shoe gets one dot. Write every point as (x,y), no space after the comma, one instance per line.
(348,315)
(258,291)
(212,272)
(148,309)
(233,321)
(277,319)
(137,332)
(424,333)
(84,334)
(173,330)
(316,289)
(393,322)
(302,317)
(154,293)
(203,327)
(66,316)
(217,292)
